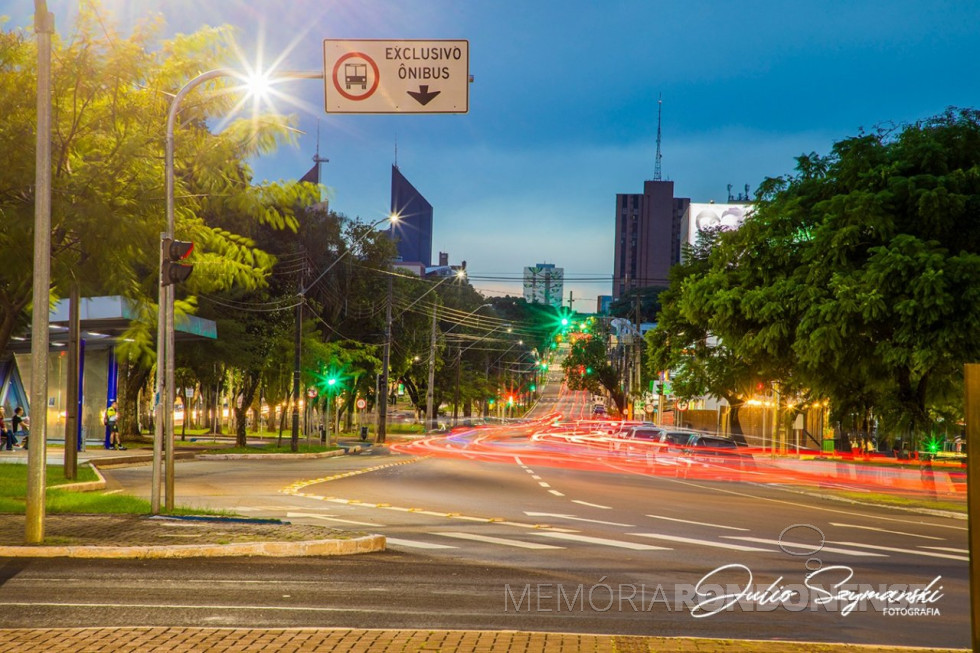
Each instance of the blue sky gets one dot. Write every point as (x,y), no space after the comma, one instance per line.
(563,108)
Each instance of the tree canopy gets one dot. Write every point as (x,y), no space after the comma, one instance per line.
(855,279)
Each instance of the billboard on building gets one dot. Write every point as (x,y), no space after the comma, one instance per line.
(543,284)
(700,217)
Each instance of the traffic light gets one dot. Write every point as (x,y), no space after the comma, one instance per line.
(175,251)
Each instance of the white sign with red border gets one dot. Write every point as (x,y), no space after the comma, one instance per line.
(382,76)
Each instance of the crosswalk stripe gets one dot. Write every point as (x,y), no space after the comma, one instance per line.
(591,505)
(691,540)
(332,518)
(417,545)
(929,554)
(882,530)
(499,540)
(806,547)
(946,548)
(698,523)
(572,537)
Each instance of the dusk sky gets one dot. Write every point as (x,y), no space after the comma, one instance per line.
(563,107)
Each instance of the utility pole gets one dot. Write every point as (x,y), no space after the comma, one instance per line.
(430,393)
(297,358)
(36,453)
(383,390)
(971,375)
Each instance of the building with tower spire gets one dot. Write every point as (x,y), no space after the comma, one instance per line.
(648,230)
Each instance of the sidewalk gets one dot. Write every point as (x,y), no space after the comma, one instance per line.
(341,640)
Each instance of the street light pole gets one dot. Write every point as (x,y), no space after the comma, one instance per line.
(164,422)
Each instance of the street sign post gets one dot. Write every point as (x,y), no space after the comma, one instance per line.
(407,76)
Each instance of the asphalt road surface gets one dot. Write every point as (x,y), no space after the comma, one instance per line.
(491,531)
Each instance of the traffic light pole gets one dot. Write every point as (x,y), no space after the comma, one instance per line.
(165,395)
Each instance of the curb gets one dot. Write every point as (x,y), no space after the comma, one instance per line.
(365,544)
(932,512)
(275,456)
(87,486)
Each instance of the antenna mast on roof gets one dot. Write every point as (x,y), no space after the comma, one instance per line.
(317,159)
(660,108)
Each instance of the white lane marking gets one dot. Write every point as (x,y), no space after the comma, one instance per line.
(499,540)
(699,523)
(602,541)
(882,530)
(929,554)
(591,505)
(543,484)
(691,540)
(556,493)
(517,460)
(536,477)
(574,518)
(946,548)
(806,547)
(417,545)
(331,518)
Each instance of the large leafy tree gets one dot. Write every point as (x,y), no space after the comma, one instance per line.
(111,94)
(587,366)
(699,363)
(858,277)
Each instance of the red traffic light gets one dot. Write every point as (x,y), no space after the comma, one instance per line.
(175,251)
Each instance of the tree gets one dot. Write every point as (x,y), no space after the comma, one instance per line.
(587,367)
(857,278)
(699,363)
(111,95)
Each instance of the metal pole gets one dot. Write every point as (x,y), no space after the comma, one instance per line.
(36,452)
(459,364)
(165,331)
(971,374)
(297,357)
(383,389)
(430,395)
(73,416)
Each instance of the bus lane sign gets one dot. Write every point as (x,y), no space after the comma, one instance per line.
(384,76)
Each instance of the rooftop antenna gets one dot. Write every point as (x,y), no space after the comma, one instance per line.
(317,159)
(660,109)
(396,151)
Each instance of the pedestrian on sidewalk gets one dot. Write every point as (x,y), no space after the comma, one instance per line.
(4,433)
(112,422)
(15,424)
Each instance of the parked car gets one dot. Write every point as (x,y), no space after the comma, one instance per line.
(598,410)
(641,441)
(715,454)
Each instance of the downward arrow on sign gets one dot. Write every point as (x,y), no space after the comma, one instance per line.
(422,95)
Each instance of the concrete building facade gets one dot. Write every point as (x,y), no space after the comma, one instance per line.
(648,236)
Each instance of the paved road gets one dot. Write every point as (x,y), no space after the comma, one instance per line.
(521,544)
(502,537)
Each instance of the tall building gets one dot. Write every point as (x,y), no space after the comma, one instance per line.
(413,232)
(543,284)
(648,236)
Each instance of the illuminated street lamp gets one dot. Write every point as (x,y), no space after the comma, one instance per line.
(164,423)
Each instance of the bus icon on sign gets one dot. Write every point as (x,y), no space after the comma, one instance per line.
(355,73)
